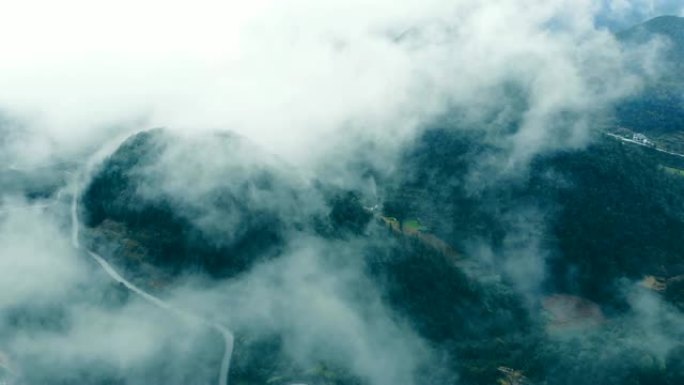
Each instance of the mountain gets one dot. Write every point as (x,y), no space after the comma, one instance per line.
(605,208)
(453,267)
(252,204)
(611,213)
(499,274)
(640,210)
(670,28)
(659,108)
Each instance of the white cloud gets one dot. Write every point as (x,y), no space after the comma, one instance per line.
(310,81)
(295,75)
(37,263)
(55,322)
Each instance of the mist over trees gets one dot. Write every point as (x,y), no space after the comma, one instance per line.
(341,193)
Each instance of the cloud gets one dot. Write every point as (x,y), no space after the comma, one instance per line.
(621,13)
(60,320)
(318,298)
(314,83)
(299,77)
(36,268)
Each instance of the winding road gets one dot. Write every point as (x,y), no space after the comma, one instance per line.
(225,333)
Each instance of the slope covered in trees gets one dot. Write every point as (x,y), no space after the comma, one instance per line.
(659,107)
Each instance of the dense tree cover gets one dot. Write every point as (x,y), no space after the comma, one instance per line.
(475,327)
(601,218)
(347,215)
(145,230)
(161,230)
(622,217)
(659,108)
(170,240)
(612,216)
(611,210)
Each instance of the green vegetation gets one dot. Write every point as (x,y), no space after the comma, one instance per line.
(413,225)
(347,215)
(611,215)
(674,171)
(607,206)
(165,231)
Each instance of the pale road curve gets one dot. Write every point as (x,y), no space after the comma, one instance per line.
(225,333)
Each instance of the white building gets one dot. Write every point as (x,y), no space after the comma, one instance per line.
(642,139)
